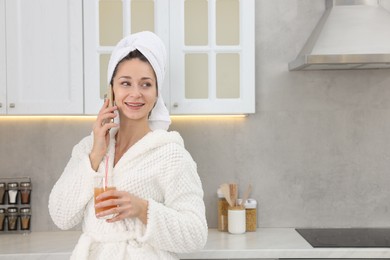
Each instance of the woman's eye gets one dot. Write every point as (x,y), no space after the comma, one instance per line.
(125,84)
(146,85)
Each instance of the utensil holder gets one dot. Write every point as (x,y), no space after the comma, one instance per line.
(236,220)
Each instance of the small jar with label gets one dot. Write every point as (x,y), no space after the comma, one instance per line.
(2,219)
(12,217)
(25,219)
(223,206)
(251,215)
(25,192)
(2,192)
(13,192)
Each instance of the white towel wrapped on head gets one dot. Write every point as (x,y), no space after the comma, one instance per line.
(151,46)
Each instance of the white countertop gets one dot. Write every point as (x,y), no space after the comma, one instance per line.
(264,243)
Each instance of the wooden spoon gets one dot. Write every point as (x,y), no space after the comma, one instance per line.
(226,193)
(246,195)
(233,193)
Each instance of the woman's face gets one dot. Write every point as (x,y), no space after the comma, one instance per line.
(135,89)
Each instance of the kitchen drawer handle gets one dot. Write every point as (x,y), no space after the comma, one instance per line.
(12,105)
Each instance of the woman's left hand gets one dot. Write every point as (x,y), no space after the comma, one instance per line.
(126,206)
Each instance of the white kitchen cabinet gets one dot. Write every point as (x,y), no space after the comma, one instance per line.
(210,46)
(44,61)
(3,79)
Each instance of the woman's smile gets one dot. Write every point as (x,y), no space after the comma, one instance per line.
(135,105)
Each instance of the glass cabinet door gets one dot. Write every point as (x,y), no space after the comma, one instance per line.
(212,53)
(106,22)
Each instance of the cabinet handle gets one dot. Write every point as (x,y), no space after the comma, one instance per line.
(1,105)
(12,105)
(175,104)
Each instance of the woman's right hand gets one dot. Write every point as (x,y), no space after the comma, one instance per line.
(101,136)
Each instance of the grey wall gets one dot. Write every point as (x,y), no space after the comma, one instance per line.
(316,151)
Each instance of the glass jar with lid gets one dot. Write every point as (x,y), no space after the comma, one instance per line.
(25,218)
(251,215)
(2,192)
(13,192)
(2,219)
(222,212)
(25,192)
(12,217)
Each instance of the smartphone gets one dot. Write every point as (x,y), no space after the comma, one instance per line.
(110,96)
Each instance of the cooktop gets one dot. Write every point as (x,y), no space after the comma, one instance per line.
(346,237)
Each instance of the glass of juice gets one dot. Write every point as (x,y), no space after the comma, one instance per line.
(103,184)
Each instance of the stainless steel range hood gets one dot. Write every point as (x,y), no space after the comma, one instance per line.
(352,34)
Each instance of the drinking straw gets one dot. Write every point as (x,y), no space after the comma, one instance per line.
(105,180)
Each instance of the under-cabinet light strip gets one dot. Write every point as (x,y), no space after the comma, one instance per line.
(32,117)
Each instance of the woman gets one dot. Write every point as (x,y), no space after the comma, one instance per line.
(159,198)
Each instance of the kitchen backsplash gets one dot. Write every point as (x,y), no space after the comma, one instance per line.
(316,152)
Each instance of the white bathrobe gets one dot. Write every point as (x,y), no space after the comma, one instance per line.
(156,168)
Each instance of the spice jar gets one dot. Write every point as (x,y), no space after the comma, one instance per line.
(2,192)
(12,192)
(25,218)
(2,219)
(222,212)
(25,192)
(12,217)
(251,214)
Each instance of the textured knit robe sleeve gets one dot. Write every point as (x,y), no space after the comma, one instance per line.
(179,224)
(73,189)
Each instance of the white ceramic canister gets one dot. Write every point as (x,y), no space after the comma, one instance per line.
(236,220)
